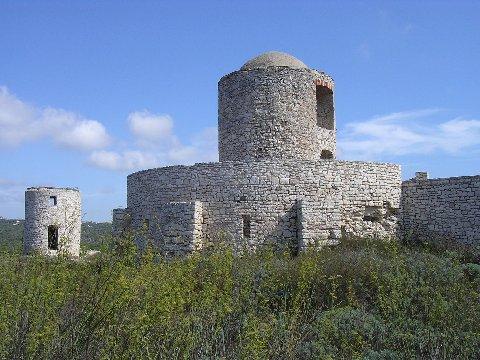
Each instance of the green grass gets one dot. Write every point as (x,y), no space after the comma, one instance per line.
(361,299)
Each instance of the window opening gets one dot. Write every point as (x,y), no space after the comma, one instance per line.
(325,112)
(53,237)
(53,201)
(326,154)
(372,214)
(246,225)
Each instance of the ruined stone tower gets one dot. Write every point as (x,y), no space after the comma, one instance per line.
(277,181)
(53,219)
(275,108)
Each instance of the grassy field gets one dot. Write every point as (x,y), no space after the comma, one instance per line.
(361,299)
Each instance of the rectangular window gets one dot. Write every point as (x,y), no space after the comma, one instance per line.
(246,225)
(53,237)
(53,201)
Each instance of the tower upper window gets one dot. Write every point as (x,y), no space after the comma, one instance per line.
(326,154)
(52,201)
(325,110)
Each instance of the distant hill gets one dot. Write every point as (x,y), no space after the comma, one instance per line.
(11,232)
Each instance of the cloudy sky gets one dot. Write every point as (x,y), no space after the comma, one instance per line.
(91,91)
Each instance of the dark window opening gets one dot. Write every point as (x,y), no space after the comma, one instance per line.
(325,111)
(246,225)
(243,198)
(53,237)
(53,201)
(326,154)
(372,214)
(391,211)
(371,218)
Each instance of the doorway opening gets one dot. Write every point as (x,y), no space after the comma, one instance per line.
(53,237)
(246,226)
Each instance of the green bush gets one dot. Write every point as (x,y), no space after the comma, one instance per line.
(361,299)
(348,333)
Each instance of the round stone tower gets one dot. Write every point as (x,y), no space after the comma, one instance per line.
(53,220)
(275,107)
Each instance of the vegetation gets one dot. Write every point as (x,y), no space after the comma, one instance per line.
(361,299)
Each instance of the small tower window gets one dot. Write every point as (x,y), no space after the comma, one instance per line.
(246,225)
(52,237)
(326,154)
(52,201)
(325,111)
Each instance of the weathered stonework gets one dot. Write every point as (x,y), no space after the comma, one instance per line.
(178,225)
(53,219)
(278,182)
(275,112)
(444,208)
(337,193)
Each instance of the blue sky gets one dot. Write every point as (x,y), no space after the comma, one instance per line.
(92,91)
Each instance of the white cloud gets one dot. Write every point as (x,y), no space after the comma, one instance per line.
(73,131)
(21,122)
(15,120)
(106,159)
(154,141)
(126,160)
(409,132)
(150,127)
(167,150)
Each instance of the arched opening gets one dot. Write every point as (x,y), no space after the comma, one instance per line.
(326,154)
(325,111)
(53,237)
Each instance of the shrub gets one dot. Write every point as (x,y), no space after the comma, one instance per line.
(360,299)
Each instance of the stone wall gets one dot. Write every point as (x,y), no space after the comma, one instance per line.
(445,208)
(60,208)
(267,193)
(273,113)
(319,222)
(177,226)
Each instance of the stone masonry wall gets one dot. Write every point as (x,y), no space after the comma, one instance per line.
(177,226)
(319,221)
(271,113)
(446,208)
(267,192)
(40,213)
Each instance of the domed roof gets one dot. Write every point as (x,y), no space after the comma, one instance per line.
(272,59)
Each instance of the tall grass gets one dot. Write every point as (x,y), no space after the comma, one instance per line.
(360,299)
